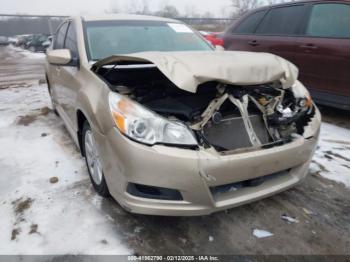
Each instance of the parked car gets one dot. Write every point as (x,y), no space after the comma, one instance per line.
(48,42)
(4,40)
(12,40)
(22,39)
(174,127)
(314,35)
(36,43)
(215,38)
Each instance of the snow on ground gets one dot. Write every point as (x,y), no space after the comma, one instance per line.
(18,66)
(332,158)
(28,54)
(39,217)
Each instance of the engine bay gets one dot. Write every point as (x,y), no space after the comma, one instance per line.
(223,116)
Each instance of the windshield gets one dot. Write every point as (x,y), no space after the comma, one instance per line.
(106,38)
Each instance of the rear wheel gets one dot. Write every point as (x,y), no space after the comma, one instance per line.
(93,161)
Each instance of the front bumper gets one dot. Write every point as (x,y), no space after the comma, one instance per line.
(201,176)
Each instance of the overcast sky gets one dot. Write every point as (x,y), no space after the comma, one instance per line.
(72,7)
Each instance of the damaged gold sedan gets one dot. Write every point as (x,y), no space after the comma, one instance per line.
(168,125)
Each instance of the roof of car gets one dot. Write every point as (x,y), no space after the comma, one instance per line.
(299,2)
(127,17)
(266,7)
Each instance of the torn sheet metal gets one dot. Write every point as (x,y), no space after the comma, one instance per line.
(243,108)
(187,70)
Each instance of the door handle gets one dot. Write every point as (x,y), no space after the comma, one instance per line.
(309,46)
(253,43)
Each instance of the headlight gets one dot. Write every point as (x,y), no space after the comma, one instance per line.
(142,125)
(300,92)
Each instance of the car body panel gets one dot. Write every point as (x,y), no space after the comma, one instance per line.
(4,40)
(183,170)
(187,70)
(78,91)
(323,61)
(332,57)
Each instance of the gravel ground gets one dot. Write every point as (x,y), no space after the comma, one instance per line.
(48,206)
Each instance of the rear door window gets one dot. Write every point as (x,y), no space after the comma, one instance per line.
(60,36)
(329,20)
(282,21)
(248,25)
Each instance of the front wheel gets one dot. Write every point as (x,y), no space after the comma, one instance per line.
(93,162)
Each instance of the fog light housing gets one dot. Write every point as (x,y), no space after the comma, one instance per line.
(152,192)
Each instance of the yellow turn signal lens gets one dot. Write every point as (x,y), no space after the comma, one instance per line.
(308,101)
(119,121)
(122,107)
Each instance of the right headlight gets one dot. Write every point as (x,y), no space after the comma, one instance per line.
(300,92)
(142,125)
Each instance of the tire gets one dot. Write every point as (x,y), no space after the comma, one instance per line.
(92,161)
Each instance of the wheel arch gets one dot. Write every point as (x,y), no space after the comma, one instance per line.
(48,82)
(81,119)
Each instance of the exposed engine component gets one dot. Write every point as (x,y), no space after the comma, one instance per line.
(231,133)
(226,117)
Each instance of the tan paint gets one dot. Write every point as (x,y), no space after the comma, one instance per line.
(59,56)
(190,171)
(187,70)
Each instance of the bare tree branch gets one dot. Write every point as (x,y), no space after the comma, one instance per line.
(242,6)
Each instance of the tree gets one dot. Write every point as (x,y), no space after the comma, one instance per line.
(114,8)
(225,12)
(208,15)
(171,11)
(133,7)
(191,11)
(145,8)
(242,6)
(168,11)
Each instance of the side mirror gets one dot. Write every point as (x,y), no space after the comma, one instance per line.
(59,56)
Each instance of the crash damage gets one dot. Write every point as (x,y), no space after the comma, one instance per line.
(232,101)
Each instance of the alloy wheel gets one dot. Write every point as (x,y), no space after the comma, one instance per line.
(92,158)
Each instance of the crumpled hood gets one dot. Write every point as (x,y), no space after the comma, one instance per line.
(187,70)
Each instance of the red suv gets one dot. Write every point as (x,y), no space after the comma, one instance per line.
(314,35)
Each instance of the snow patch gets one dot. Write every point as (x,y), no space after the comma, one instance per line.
(26,53)
(61,218)
(258,233)
(332,158)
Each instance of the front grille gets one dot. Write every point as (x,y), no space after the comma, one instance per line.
(233,187)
